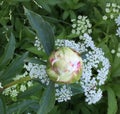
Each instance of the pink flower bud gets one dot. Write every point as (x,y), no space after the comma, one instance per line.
(65,66)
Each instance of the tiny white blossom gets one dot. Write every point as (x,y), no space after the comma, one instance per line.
(23,88)
(14,93)
(114,4)
(112,51)
(111,16)
(118,54)
(29,83)
(107,10)
(105,17)
(108,4)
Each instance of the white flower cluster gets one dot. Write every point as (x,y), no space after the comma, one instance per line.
(112,10)
(37,71)
(14,90)
(96,66)
(38,44)
(94,57)
(81,25)
(63,93)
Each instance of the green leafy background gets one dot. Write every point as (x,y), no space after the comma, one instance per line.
(21,21)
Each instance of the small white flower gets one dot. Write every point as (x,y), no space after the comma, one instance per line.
(114,5)
(118,54)
(112,51)
(105,17)
(108,4)
(29,83)
(107,10)
(111,16)
(14,93)
(23,88)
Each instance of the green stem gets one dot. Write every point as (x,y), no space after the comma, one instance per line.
(27,78)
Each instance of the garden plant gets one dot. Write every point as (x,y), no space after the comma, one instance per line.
(59,57)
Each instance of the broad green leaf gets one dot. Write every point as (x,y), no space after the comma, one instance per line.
(43,30)
(20,106)
(116,89)
(9,51)
(2,106)
(48,100)
(112,102)
(13,68)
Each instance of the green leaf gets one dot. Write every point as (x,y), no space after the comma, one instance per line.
(13,68)
(9,51)
(65,14)
(116,66)
(20,106)
(31,91)
(76,89)
(116,88)
(2,106)
(112,102)
(34,50)
(43,30)
(48,99)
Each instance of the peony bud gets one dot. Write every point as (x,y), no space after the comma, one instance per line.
(65,66)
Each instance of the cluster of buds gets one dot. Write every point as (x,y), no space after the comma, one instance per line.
(65,66)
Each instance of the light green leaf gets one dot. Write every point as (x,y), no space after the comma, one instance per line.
(112,102)
(43,30)
(48,100)
(9,51)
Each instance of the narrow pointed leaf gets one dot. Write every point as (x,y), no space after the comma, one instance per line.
(43,29)
(112,102)
(9,51)
(13,68)
(2,107)
(48,100)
